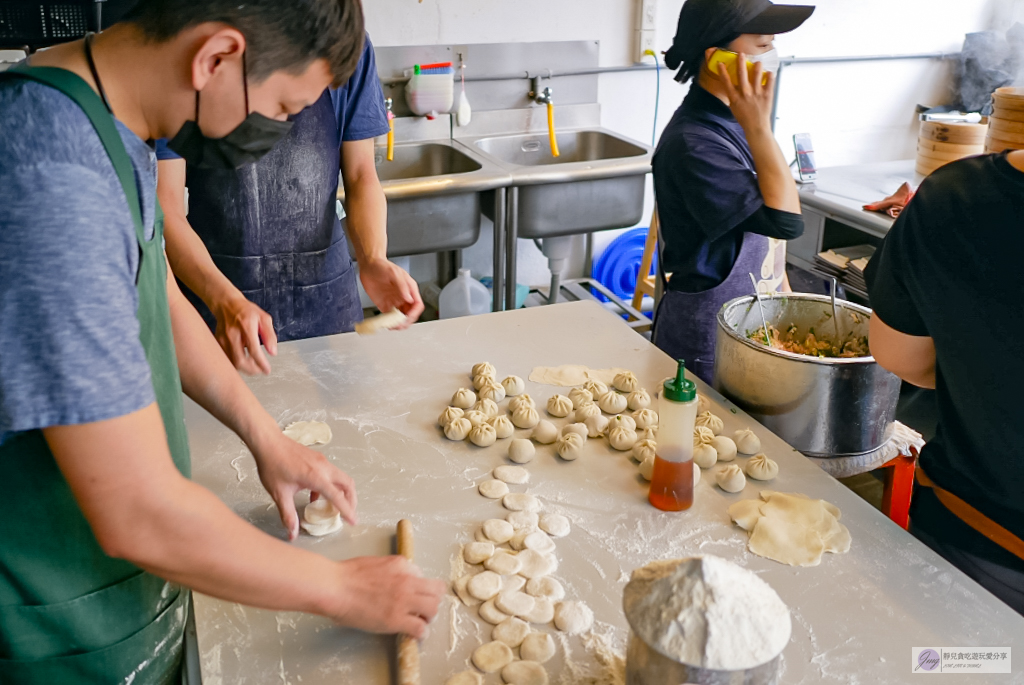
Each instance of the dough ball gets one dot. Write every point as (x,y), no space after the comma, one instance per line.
(523,400)
(483,369)
(702,436)
(626,382)
(476,418)
(521,451)
(512,631)
(570,446)
(492,391)
(747,441)
(513,386)
(638,399)
(704,456)
(647,468)
(493,489)
(492,657)
(573,617)
(519,501)
(523,520)
(458,429)
(539,541)
(309,432)
(545,432)
(543,611)
(579,397)
(483,435)
(555,525)
(516,475)
(622,421)
(696,477)
(559,406)
(612,402)
(725,447)
(711,422)
(537,647)
(465,678)
(579,429)
(730,478)
(484,585)
(512,583)
(518,541)
(596,387)
(503,427)
(524,673)
(525,417)
(644,449)
(487,407)
(514,603)
(597,425)
(490,613)
(650,433)
(480,536)
(449,415)
(760,467)
(585,411)
(645,418)
(621,438)
(497,531)
(477,552)
(481,379)
(547,587)
(463,398)
(503,563)
(320,517)
(461,589)
(536,564)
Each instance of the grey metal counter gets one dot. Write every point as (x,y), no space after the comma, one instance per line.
(855,617)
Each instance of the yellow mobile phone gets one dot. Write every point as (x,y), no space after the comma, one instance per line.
(730,60)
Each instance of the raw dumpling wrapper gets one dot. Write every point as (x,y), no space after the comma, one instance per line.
(570,446)
(709,420)
(625,381)
(525,416)
(559,406)
(321,517)
(580,396)
(638,399)
(760,467)
(622,438)
(309,432)
(612,402)
(458,429)
(730,478)
(513,386)
(463,398)
(747,441)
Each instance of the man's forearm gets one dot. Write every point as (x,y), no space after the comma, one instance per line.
(778,189)
(192,263)
(366,223)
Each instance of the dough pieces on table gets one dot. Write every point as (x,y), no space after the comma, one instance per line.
(544,432)
(791,528)
(503,563)
(483,435)
(461,588)
(464,398)
(536,564)
(540,541)
(747,441)
(547,587)
(622,438)
(543,611)
(309,432)
(498,531)
(711,422)
(570,446)
(559,406)
(465,678)
(513,386)
(490,613)
(492,657)
(520,501)
(725,447)
(555,525)
(493,489)
(502,426)
(638,399)
(579,397)
(449,415)
(568,375)
(760,467)
(477,552)
(644,449)
(730,478)
(573,617)
(612,402)
(514,603)
(515,475)
(512,631)
(320,517)
(524,673)
(537,647)
(523,520)
(521,451)
(625,382)
(484,585)
(525,416)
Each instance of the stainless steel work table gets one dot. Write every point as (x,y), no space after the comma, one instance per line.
(855,617)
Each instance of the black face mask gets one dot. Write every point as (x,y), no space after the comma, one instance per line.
(245,144)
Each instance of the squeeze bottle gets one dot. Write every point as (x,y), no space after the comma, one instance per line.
(672,481)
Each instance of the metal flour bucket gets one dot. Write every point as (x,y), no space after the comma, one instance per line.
(645,666)
(822,407)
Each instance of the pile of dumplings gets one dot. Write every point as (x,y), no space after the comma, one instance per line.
(710,447)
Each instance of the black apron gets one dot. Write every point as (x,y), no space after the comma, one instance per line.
(686,324)
(272,228)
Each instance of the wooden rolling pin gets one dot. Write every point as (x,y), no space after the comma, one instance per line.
(408,648)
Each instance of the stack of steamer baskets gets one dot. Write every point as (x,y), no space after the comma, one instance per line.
(942,142)
(1006,125)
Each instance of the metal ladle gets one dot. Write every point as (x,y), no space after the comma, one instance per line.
(835,313)
(757,296)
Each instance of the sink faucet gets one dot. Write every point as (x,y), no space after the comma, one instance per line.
(388,104)
(546,97)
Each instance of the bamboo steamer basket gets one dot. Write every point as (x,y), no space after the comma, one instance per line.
(1009,98)
(954,133)
(1006,127)
(940,143)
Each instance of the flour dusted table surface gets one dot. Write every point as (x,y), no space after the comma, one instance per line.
(855,617)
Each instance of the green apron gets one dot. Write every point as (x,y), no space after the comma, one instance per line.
(68,612)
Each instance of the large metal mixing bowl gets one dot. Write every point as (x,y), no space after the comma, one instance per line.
(832,407)
(646,666)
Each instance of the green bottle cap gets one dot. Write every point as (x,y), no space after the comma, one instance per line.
(416,69)
(680,389)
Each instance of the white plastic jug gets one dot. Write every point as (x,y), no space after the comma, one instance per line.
(463,296)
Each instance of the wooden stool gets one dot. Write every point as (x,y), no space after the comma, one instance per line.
(645,282)
(899,488)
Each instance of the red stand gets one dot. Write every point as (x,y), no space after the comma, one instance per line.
(899,487)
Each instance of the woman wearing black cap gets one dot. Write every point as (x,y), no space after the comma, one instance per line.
(726,196)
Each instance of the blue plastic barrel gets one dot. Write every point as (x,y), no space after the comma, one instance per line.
(617,267)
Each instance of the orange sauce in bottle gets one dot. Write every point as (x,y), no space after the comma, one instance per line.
(672,485)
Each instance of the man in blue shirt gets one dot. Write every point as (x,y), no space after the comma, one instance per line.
(262,252)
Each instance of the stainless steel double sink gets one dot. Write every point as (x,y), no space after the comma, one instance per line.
(438,189)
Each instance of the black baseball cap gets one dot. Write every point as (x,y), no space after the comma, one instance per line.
(705,24)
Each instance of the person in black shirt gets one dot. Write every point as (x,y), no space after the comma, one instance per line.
(947,296)
(724,189)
